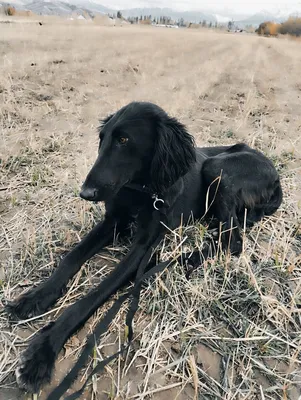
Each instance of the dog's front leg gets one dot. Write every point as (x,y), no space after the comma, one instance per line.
(39,299)
(38,360)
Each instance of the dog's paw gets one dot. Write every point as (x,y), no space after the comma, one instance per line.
(36,364)
(236,247)
(32,303)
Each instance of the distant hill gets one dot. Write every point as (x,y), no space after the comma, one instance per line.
(258,18)
(263,16)
(59,8)
(92,8)
(63,8)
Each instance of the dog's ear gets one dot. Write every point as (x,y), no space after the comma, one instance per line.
(174,154)
(104,121)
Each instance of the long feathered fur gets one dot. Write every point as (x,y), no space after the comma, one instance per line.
(174,154)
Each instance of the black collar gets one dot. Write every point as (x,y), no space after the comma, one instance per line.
(139,188)
(158,202)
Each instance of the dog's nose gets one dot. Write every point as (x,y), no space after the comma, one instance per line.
(88,194)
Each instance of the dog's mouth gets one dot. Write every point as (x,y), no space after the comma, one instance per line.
(104,193)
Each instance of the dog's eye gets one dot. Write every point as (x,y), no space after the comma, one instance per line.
(123,140)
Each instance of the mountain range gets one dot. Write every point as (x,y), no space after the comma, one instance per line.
(84,7)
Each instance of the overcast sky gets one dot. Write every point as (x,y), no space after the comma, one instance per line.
(239,6)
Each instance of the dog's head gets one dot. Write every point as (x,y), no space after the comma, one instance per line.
(140,143)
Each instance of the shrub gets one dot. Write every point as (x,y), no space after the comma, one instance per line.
(291,27)
(268,28)
(9,10)
(145,22)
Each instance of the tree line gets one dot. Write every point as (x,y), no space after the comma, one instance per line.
(163,20)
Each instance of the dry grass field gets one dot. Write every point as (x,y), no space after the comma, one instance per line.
(233,331)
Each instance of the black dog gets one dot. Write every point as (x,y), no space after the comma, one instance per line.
(147,167)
